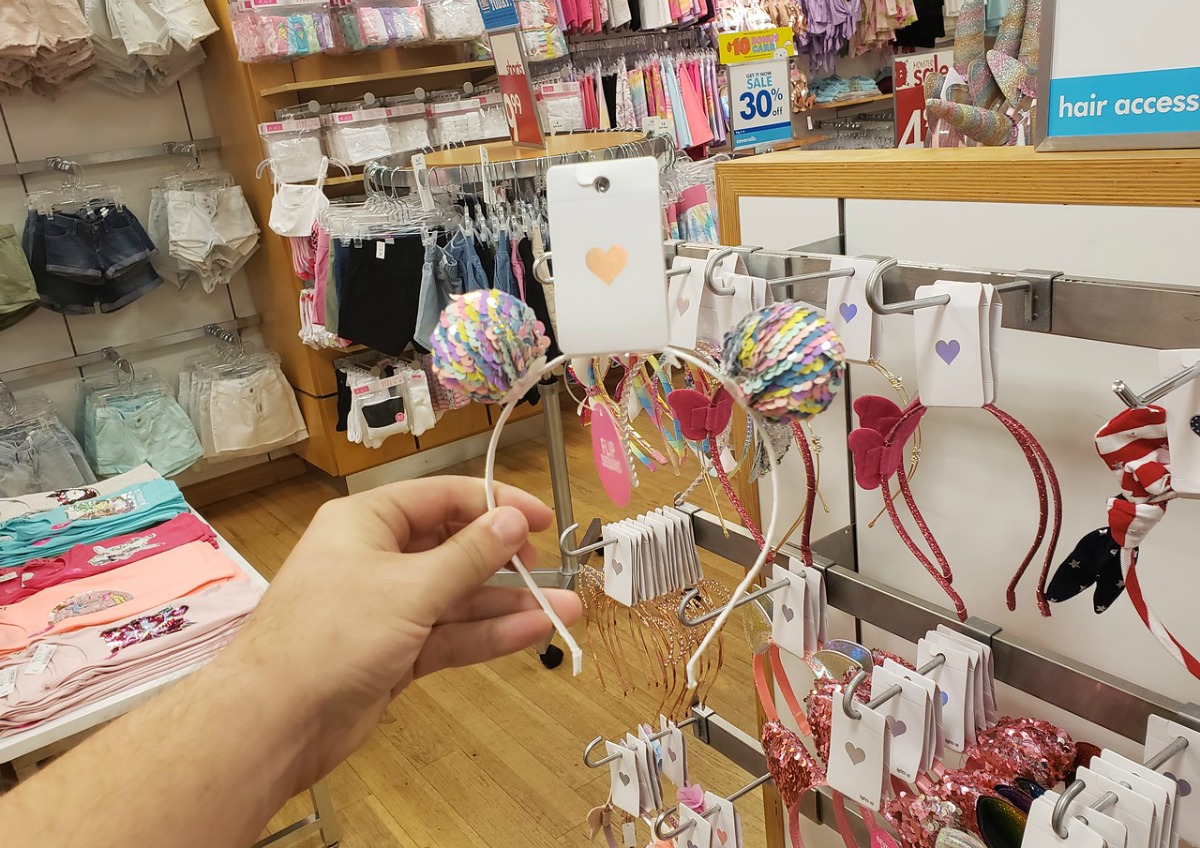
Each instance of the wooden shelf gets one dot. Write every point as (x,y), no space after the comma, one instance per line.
(846,104)
(334,82)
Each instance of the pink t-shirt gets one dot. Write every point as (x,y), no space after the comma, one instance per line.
(105,598)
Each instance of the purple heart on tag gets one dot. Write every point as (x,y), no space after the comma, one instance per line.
(948,350)
(856,754)
(1185,788)
(899,728)
(788,612)
(945,699)
(848,310)
(617,567)
(671,753)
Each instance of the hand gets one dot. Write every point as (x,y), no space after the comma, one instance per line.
(386,586)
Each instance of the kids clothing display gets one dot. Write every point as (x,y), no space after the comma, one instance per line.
(44,499)
(45,46)
(40,455)
(203,235)
(146,45)
(381,397)
(123,431)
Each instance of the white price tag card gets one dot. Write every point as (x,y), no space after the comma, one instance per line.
(618,565)
(700,832)
(950,346)
(787,610)
(1169,786)
(641,759)
(726,823)
(987,669)
(857,324)
(907,720)
(816,617)
(1161,831)
(421,175)
(623,775)
(955,683)
(1183,768)
(1132,809)
(858,754)
(1039,829)
(684,294)
(978,673)
(674,748)
(610,280)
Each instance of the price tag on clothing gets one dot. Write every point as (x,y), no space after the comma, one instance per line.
(8,681)
(421,175)
(41,659)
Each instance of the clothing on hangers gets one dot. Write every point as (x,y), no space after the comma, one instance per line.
(45,46)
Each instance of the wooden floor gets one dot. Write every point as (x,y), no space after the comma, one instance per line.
(490,755)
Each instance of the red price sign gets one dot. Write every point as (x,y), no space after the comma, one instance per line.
(512,73)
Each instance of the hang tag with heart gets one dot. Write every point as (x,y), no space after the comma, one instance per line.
(610,274)
(1183,768)
(1161,832)
(684,293)
(641,759)
(907,722)
(935,748)
(1039,830)
(726,823)
(618,565)
(951,345)
(1133,809)
(670,575)
(986,671)
(787,610)
(1183,421)
(700,832)
(858,754)
(816,616)
(857,324)
(1155,778)
(623,779)
(955,685)
(674,745)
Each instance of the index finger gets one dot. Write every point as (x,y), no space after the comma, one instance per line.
(414,507)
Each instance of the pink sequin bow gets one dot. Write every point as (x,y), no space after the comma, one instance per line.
(698,416)
(878,443)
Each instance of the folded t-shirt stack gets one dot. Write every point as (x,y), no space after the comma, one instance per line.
(104,587)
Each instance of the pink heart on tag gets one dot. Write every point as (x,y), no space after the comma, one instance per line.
(722,835)
(683,304)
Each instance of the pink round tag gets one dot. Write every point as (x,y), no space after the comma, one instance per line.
(612,462)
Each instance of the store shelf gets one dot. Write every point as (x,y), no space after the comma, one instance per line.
(846,104)
(334,82)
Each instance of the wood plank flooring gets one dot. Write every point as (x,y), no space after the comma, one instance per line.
(490,755)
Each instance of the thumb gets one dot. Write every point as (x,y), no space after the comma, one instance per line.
(472,555)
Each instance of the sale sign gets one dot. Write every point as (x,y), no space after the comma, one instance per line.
(760,93)
(908,74)
(512,74)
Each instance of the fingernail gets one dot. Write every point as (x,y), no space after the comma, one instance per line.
(510,525)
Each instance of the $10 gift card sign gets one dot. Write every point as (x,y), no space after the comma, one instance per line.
(759,86)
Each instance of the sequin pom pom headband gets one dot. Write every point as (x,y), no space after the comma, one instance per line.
(782,362)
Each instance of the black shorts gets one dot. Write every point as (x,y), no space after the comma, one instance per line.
(379,289)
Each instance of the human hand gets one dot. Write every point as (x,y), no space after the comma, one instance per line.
(384,587)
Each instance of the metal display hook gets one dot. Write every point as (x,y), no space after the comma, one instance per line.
(1057,818)
(710,267)
(1133,400)
(691,594)
(907,307)
(887,694)
(667,836)
(586,549)
(653,737)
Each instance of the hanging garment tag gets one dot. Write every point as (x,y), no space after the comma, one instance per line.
(1115,834)
(956,695)
(684,294)
(1132,809)
(610,281)
(699,834)
(987,669)
(674,764)
(1160,834)
(950,346)
(629,835)
(8,681)
(641,760)
(978,673)
(421,176)
(41,658)
(726,823)
(618,575)
(381,249)
(816,614)
(857,324)
(1183,768)
(787,611)
(623,775)
(485,173)
(1039,830)
(934,743)
(1168,785)
(858,753)
(907,718)
(1183,421)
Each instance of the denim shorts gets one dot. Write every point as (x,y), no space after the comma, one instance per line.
(95,245)
(41,457)
(70,296)
(129,431)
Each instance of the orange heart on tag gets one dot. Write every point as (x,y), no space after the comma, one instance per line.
(722,835)
(607,264)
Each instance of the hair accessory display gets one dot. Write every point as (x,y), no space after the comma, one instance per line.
(878,450)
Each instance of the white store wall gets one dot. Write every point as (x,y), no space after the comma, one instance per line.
(92,119)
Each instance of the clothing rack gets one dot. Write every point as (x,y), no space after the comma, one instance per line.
(128,154)
(157,343)
(667,39)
